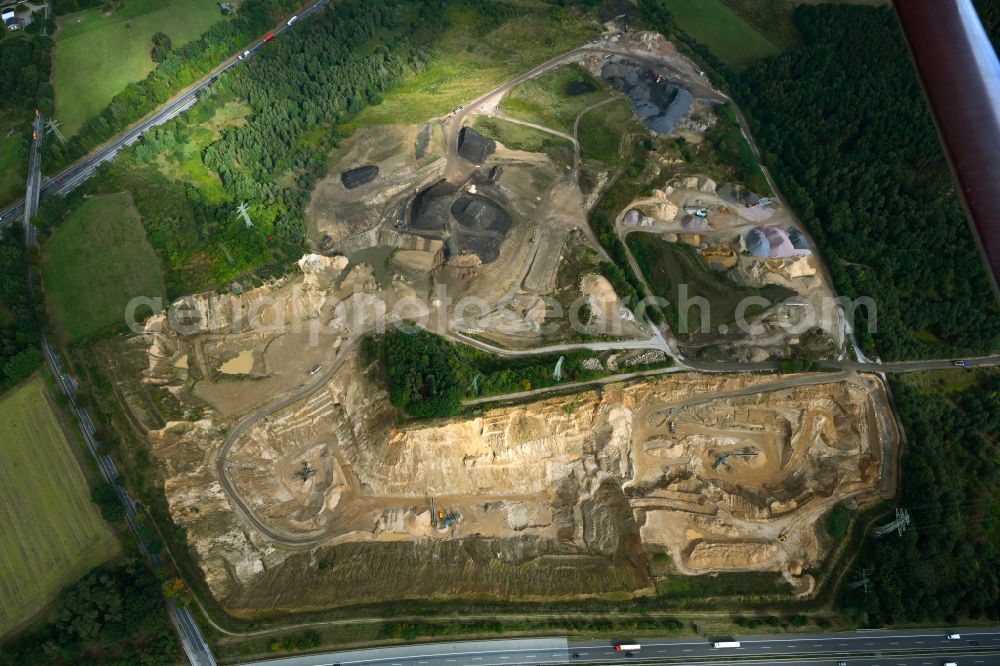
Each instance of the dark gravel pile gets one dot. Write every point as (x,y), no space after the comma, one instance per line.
(658,104)
(359,176)
(475,147)
(480,213)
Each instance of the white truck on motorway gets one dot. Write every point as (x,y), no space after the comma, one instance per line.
(954,637)
(628,647)
(293,19)
(726,644)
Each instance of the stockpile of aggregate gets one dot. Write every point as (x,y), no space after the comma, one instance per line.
(475,147)
(359,176)
(659,104)
(480,213)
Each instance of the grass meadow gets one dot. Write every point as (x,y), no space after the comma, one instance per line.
(476,54)
(97,260)
(555,98)
(96,56)
(731,39)
(50,531)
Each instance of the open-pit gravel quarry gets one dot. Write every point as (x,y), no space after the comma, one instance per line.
(555,497)
(299,485)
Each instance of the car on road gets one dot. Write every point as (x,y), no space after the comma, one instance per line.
(954,637)
(960,364)
(608,55)
(245,54)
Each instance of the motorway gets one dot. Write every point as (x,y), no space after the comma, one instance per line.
(922,647)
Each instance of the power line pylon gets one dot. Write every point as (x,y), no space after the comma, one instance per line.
(864,582)
(897,525)
(243,211)
(52,127)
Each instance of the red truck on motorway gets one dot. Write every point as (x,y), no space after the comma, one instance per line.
(269,36)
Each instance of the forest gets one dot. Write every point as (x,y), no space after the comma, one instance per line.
(25,66)
(113,615)
(946,565)
(848,137)
(19,346)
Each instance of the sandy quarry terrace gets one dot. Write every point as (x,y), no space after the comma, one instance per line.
(611,475)
(813,445)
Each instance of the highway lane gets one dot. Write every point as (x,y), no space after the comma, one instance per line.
(920,647)
(880,644)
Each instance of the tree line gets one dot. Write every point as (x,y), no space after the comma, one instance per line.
(946,565)
(20,354)
(179,68)
(113,615)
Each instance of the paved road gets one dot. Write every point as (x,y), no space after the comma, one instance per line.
(881,648)
(34,182)
(777,385)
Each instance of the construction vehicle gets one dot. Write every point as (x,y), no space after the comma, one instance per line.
(447,518)
(721,462)
(451,520)
(306,471)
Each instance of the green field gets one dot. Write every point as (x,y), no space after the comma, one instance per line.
(555,98)
(476,54)
(96,56)
(520,137)
(50,531)
(96,261)
(602,130)
(729,37)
